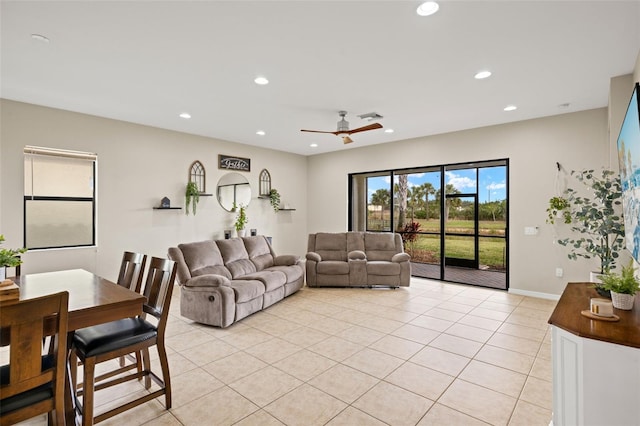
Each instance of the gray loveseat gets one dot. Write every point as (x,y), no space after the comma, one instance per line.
(224,281)
(357,259)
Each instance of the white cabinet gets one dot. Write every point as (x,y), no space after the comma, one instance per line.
(594,382)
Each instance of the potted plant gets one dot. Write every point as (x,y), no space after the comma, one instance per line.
(623,287)
(596,220)
(241,220)
(558,207)
(192,196)
(274,199)
(9,258)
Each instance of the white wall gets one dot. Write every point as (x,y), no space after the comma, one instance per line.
(577,141)
(137,166)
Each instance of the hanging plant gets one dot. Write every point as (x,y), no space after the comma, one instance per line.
(192,196)
(274,199)
(558,206)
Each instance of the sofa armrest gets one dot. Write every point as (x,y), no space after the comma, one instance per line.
(209,280)
(312,255)
(401,257)
(357,255)
(286,260)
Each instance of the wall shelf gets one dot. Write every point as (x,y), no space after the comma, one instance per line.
(202,194)
(167,208)
(286,210)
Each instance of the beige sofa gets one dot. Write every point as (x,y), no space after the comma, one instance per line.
(226,280)
(357,259)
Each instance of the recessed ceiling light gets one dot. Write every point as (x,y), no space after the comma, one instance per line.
(428,8)
(314,145)
(482,74)
(510,108)
(40,37)
(261,81)
(185,115)
(260,132)
(564,105)
(388,130)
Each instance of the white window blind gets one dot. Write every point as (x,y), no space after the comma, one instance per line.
(59,198)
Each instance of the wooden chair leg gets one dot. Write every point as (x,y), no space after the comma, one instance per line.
(73,370)
(166,378)
(87,388)
(139,361)
(146,367)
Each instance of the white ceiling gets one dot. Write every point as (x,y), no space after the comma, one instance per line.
(147,61)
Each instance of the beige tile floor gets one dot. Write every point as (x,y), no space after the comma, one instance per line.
(433,353)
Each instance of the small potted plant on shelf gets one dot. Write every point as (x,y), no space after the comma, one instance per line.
(274,199)
(192,196)
(241,220)
(623,286)
(9,258)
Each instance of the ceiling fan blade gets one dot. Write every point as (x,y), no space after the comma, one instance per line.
(319,131)
(346,139)
(365,128)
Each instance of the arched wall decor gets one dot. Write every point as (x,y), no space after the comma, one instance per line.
(265,183)
(198,174)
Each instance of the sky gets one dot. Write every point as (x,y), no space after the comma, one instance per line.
(491,182)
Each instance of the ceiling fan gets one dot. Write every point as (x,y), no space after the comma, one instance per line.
(343,128)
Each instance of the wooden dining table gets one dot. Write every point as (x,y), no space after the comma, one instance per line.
(93,300)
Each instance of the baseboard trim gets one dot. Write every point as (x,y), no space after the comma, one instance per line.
(537,294)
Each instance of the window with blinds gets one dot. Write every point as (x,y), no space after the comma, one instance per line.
(59,198)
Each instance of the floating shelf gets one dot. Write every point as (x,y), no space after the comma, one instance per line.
(286,210)
(202,194)
(167,208)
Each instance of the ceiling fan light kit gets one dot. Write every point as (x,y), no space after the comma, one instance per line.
(343,128)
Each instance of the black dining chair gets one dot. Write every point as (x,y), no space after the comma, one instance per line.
(100,343)
(33,383)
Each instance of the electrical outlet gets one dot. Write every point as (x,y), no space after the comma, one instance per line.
(559,272)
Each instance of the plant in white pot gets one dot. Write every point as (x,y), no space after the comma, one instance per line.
(623,287)
(596,219)
(241,220)
(9,258)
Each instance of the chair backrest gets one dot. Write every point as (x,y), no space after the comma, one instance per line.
(132,270)
(158,289)
(24,325)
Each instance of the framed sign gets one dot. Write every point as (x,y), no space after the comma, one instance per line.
(228,162)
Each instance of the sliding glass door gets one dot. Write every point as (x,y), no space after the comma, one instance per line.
(452,218)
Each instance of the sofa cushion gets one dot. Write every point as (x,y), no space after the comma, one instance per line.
(333,267)
(331,246)
(204,258)
(293,273)
(246,290)
(270,279)
(235,257)
(380,246)
(259,252)
(383,268)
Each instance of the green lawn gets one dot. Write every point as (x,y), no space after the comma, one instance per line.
(426,248)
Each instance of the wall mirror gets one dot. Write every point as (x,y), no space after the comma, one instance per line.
(233,190)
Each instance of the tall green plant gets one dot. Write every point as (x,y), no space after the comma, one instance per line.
(595,219)
(241,218)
